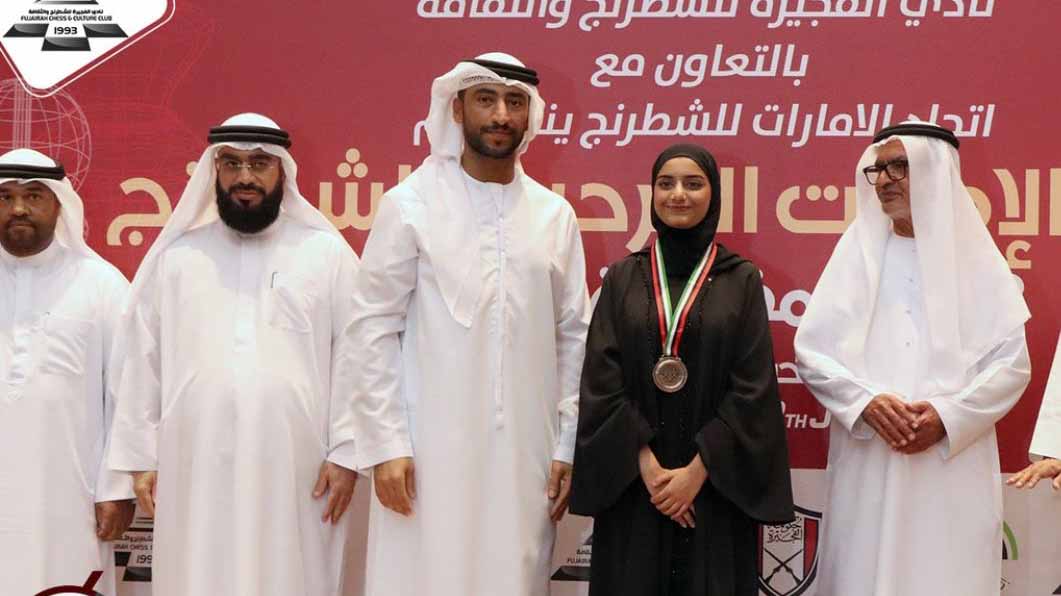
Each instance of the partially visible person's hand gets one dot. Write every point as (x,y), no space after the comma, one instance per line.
(1044,469)
(559,490)
(395,482)
(338,482)
(113,518)
(144,485)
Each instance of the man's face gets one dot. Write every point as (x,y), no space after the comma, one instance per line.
(250,186)
(28,214)
(494,118)
(894,194)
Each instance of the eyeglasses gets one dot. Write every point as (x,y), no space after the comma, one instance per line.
(257,167)
(897,169)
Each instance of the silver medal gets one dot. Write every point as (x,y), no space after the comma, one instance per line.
(670,374)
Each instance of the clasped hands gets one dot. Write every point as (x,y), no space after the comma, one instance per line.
(907,427)
(673,490)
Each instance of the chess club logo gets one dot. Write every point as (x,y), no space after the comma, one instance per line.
(788,554)
(576,567)
(133,551)
(51,43)
(86,588)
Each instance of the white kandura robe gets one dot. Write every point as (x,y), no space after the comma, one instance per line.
(230,377)
(485,409)
(1046,442)
(928,524)
(58,311)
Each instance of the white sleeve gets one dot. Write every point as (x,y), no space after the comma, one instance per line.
(385,283)
(1002,376)
(138,394)
(1047,439)
(341,431)
(572,312)
(111,485)
(837,389)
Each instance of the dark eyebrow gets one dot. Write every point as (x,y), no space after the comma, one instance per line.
(686,176)
(224,154)
(485,91)
(36,186)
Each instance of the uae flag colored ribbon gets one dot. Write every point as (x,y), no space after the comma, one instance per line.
(670,373)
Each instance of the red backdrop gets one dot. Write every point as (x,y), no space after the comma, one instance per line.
(351,80)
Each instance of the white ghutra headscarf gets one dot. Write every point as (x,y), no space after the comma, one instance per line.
(972,300)
(26,165)
(440,184)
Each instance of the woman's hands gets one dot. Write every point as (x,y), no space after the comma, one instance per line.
(673,491)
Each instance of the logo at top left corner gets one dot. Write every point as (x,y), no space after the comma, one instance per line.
(51,43)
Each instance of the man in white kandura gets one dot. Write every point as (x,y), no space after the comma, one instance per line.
(471,317)
(229,407)
(914,341)
(59,305)
(1046,442)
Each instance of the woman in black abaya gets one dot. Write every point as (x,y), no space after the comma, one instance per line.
(681,452)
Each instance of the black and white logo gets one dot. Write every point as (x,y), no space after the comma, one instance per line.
(50,43)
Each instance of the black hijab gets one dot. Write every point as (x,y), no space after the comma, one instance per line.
(682,249)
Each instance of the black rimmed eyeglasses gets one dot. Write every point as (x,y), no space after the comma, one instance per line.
(897,169)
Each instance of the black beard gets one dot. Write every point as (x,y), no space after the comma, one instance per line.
(474,139)
(26,242)
(248,220)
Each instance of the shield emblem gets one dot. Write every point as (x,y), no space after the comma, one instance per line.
(788,554)
(51,43)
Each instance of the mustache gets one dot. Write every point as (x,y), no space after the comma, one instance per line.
(246,186)
(20,220)
(497,128)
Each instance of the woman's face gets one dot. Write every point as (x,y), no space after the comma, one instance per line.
(681,193)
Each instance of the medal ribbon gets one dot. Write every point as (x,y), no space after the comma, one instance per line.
(671,327)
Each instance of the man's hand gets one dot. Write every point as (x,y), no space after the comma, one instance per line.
(892,418)
(559,489)
(113,518)
(930,429)
(678,488)
(395,482)
(144,484)
(339,483)
(1041,470)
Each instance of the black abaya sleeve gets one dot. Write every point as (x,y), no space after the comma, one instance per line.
(611,428)
(744,446)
